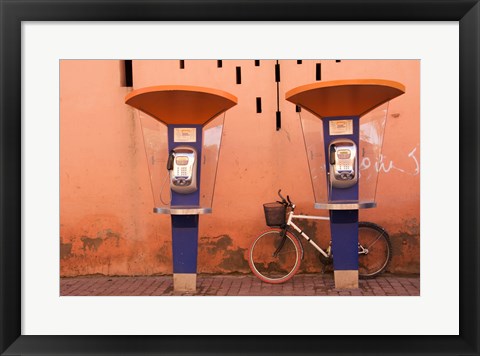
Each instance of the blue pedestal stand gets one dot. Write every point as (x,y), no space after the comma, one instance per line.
(343,223)
(185,227)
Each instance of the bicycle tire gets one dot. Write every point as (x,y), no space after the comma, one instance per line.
(268,267)
(377,241)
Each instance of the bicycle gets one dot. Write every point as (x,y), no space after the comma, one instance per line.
(275,255)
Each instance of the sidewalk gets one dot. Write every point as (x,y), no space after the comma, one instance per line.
(238,285)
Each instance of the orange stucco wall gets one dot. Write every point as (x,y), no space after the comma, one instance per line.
(107,224)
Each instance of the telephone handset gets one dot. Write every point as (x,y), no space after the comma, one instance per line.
(343,163)
(182,164)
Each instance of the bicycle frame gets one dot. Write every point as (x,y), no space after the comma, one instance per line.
(291,216)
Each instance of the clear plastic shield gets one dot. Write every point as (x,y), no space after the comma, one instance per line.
(372,130)
(312,128)
(212,139)
(155,139)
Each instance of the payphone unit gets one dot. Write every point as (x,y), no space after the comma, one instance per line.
(182,166)
(182,132)
(333,145)
(343,163)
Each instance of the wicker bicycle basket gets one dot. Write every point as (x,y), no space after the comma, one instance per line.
(274,214)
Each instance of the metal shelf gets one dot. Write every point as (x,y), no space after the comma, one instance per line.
(346,205)
(182,210)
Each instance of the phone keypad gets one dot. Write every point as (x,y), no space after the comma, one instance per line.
(182,171)
(344,166)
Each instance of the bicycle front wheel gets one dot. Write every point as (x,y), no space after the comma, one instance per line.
(274,256)
(374,250)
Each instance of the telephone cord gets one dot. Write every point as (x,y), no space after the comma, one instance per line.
(163,187)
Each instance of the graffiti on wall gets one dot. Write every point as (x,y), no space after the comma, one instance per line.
(385,166)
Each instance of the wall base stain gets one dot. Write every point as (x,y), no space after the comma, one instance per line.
(411,227)
(319,232)
(91,244)
(405,253)
(235,260)
(65,250)
(109,253)
(219,255)
(164,254)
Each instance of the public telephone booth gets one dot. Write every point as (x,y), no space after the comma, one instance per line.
(182,130)
(344,150)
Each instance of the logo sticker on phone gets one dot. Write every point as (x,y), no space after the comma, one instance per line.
(341,127)
(185,134)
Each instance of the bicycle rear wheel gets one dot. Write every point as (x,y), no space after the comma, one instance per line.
(274,258)
(374,250)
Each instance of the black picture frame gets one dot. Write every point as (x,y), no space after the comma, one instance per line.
(13,12)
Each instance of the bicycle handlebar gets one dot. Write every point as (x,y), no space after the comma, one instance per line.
(287,202)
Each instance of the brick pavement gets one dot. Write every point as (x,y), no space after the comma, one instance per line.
(238,285)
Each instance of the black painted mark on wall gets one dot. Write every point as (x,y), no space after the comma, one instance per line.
(239,75)
(278,114)
(298,108)
(257,63)
(318,71)
(278,120)
(299,61)
(219,64)
(128,73)
(259,105)
(277,72)
(182,64)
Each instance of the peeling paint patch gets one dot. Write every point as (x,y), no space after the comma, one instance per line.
(222,254)
(65,250)
(164,255)
(319,231)
(405,253)
(234,260)
(219,242)
(308,226)
(411,227)
(91,244)
(109,234)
